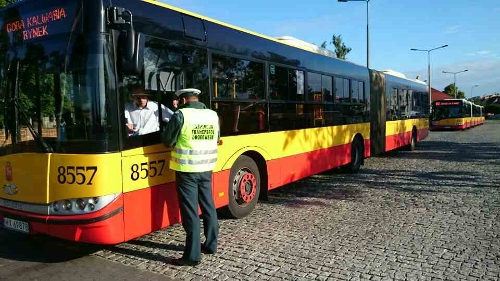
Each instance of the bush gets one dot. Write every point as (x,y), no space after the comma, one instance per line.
(492,108)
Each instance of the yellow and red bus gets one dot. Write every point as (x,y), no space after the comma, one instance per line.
(287,109)
(456,114)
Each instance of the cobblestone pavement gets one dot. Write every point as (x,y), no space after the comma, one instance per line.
(26,257)
(429,214)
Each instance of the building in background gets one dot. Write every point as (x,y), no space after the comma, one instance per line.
(438,95)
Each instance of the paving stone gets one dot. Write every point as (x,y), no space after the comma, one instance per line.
(428,214)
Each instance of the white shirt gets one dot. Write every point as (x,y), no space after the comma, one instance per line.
(145,119)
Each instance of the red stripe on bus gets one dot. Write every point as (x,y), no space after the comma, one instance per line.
(422,134)
(398,140)
(285,170)
(154,208)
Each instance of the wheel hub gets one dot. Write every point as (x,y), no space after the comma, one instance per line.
(247,187)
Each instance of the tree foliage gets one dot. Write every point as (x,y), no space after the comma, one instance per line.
(492,108)
(4,3)
(341,50)
(450,90)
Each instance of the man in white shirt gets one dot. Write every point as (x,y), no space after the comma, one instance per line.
(142,114)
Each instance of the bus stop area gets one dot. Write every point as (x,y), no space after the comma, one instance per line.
(428,214)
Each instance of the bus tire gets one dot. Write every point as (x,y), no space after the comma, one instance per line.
(413,142)
(244,187)
(356,157)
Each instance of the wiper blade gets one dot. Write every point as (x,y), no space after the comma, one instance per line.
(39,139)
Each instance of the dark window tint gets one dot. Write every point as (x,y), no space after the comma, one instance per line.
(235,78)
(326,84)
(314,87)
(355,92)
(286,84)
(404,107)
(347,90)
(350,113)
(288,116)
(393,105)
(342,89)
(62,90)
(361,91)
(241,117)
(193,27)
(170,66)
(339,90)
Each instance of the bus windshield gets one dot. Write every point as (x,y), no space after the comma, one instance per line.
(443,112)
(54,87)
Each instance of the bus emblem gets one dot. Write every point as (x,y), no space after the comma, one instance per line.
(8,172)
(10,189)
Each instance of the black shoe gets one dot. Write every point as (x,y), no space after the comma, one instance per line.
(182,262)
(205,250)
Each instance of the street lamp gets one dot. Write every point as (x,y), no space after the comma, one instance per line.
(429,68)
(472,88)
(455,79)
(367,29)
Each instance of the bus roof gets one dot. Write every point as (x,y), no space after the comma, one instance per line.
(289,40)
(286,40)
(402,76)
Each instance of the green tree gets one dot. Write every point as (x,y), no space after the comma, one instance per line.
(4,3)
(492,108)
(341,50)
(450,90)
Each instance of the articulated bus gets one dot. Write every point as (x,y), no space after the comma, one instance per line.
(287,110)
(456,114)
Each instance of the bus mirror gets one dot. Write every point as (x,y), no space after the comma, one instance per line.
(130,42)
(132,52)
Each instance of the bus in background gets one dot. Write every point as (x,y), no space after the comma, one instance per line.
(478,114)
(287,110)
(456,114)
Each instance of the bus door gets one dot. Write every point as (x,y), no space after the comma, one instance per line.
(150,198)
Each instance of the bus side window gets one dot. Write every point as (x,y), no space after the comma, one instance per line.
(168,67)
(239,95)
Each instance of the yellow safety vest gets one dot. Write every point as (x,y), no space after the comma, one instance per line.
(196,147)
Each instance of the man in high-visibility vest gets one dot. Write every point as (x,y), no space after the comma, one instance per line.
(193,130)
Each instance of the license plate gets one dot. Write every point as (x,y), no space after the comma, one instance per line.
(16,225)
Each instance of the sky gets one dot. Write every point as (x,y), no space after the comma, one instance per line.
(470,28)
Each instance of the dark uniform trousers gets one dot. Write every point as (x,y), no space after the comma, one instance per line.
(194,188)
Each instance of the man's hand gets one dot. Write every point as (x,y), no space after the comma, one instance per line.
(130,127)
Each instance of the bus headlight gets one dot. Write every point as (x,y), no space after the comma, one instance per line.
(81,203)
(67,205)
(78,206)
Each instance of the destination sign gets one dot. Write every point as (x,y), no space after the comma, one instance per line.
(33,25)
(444,103)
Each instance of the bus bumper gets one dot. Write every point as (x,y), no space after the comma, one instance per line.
(448,127)
(102,227)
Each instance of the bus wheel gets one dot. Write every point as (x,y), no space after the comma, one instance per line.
(244,187)
(413,141)
(356,157)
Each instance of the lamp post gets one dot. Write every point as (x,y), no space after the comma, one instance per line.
(367,28)
(455,79)
(472,88)
(429,68)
